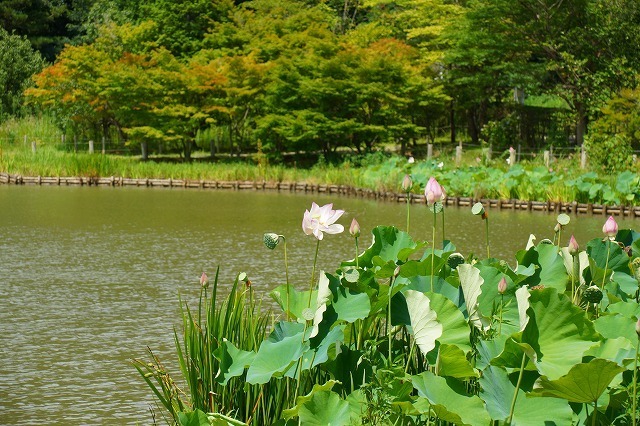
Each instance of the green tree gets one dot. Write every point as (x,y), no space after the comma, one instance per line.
(18,62)
(580,50)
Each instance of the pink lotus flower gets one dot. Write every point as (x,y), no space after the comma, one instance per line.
(573,246)
(354,229)
(433,191)
(610,228)
(321,219)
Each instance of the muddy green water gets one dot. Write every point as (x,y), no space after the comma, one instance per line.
(89,277)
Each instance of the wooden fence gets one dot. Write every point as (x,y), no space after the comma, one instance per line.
(548,206)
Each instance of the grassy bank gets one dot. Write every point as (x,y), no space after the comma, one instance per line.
(529,180)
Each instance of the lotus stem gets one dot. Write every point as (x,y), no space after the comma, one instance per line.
(413,347)
(313,273)
(486,227)
(574,275)
(443,223)
(500,319)
(286,273)
(635,384)
(606,264)
(357,251)
(594,415)
(408,209)
(433,246)
(392,281)
(515,393)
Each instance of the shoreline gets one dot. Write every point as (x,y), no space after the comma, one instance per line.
(501,204)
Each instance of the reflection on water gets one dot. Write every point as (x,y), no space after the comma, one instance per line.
(89,278)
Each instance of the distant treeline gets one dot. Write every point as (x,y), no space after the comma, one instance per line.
(282,75)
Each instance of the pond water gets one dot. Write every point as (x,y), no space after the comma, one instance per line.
(89,277)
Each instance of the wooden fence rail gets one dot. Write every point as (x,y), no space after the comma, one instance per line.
(548,206)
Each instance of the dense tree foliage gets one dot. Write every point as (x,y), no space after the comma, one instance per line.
(18,62)
(301,75)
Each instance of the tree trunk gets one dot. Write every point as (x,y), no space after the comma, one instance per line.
(581,126)
(452,122)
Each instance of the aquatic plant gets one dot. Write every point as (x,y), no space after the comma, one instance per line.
(406,333)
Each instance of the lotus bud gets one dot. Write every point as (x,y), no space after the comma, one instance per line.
(502,285)
(610,228)
(354,229)
(638,328)
(573,246)
(433,191)
(204,280)
(407,183)
(271,240)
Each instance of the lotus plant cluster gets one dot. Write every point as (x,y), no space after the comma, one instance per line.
(415,333)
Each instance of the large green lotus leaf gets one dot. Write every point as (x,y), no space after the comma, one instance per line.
(448,400)
(455,329)
(440,286)
(559,331)
(635,248)
(628,284)
(497,392)
(452,362)
(585,382)
(233,361)
(298,300)
(322,348)
(619,350)
(351,306)
(357,403)
(614,326)
(325,408)
(618,259)
(200,418)
(628,236)
(522,297)
(490,299)
(426,328)
(278,353)
(628,308)
(551,272)
(471,284)
(389,244)
(488,350)
(583,261)
(301,400)
(511,355)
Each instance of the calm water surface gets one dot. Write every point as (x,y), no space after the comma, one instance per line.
(89,277)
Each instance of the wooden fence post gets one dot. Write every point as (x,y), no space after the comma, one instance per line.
(91,147)
(429,151)
(458,155)
(546,155)
(583,157)
(33,146)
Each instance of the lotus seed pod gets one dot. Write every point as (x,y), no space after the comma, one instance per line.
(502,285)
(308,314)
(271,240)
(592,294)
(454,260)
(478,209)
